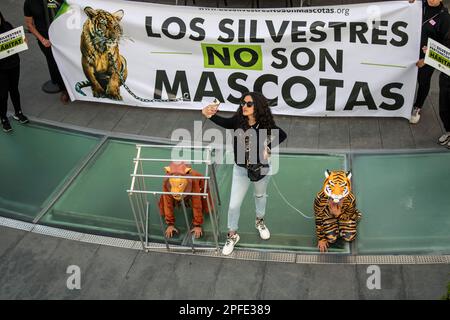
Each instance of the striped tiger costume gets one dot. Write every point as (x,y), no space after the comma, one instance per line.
(337,189)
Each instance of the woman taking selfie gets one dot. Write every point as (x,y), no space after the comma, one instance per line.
(255,133)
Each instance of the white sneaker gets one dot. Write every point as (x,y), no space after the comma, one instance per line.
(444,139)
(415,116)
(264,233)
(229,245)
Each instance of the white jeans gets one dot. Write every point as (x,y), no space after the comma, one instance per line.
(239,188)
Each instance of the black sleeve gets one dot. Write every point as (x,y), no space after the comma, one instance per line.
(27,9)
(281,137)
(8,26)
(227,123)
(422,44)
(445,27)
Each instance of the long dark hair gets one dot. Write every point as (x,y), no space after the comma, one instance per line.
(263,114)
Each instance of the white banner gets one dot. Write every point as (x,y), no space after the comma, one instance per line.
(438,56)
(353,60)
(12,42)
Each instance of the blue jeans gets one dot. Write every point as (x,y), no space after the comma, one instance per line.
(239,187)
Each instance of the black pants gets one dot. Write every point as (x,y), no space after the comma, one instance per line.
(424,80)
(444,100)
(52,66)
(9,84)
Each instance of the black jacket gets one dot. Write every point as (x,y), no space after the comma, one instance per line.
(258,140)
(446,42)
(42,12)
(434,25)
(11,61)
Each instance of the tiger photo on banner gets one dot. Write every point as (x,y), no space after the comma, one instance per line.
(104,67)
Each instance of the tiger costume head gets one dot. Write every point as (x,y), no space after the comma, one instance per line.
(337,184)
(104,28)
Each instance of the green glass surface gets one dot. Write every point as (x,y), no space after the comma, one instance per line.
(35,161)
(404,198)
(299,178)
(405,203)
(97,201)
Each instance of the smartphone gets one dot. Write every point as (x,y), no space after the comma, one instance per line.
(216,102)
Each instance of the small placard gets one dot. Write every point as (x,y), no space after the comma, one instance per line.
(12,42)
(438,56)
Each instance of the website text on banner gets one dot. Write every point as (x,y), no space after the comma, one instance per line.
(12,42)
(354,60)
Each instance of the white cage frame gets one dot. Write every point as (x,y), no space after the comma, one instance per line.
(139,195)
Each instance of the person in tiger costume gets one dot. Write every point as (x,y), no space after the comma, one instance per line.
(335,210)
(102,63)
(167,202)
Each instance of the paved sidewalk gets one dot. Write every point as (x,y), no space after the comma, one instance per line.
(34,266)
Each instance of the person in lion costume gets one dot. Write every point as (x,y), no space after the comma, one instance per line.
(168,202)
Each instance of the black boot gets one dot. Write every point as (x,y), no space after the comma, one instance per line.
(6,125)
(21,118)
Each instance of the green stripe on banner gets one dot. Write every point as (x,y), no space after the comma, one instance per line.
(64,8)
(163,52)
(247,57)
(11,44)
(383,65)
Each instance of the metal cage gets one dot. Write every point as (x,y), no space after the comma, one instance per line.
(140,196)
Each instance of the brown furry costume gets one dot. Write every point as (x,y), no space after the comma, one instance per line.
(167,202)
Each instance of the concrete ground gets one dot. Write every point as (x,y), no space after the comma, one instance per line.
(34,266)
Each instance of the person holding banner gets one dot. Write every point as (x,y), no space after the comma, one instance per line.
(434,26)
(9,83)
(444,96)
(38,16)
(254,133)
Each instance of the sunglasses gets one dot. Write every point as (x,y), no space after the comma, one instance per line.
(248,104)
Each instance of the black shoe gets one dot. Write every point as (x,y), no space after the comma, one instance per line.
(6,125)
(21,118)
